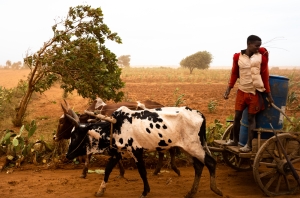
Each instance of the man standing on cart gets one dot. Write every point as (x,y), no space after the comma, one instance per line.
(251,67)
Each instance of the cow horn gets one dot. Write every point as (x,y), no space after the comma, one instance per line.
(64,109)
(67,104)
(74,115)
(101,117)
(73,120)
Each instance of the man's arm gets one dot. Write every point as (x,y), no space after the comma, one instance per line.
(265,78)
(234,75)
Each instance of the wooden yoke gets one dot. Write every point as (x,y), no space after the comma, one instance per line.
(101,117)
(106,118)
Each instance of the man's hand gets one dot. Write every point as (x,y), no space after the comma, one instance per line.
(270,99)
(227,92)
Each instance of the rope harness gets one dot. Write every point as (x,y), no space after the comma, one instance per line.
(60,134)
(110,140)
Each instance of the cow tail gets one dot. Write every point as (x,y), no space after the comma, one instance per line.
(203,136)
(203,131)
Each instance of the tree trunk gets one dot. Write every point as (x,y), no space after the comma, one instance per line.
(191,70)
(21,109)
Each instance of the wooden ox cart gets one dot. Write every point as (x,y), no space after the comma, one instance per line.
(275,161)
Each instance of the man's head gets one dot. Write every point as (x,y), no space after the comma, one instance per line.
(253,43)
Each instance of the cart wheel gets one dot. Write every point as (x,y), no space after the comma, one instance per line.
(270,169)
(227,133)
(232,159)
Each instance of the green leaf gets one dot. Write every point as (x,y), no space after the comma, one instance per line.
(7,136)
(32,129)
(15,142)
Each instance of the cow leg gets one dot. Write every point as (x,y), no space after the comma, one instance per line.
(198,166)
(211,164)
(173,165)
(113,160)
(86,166)
(138,154)
(121,167)
(159,164)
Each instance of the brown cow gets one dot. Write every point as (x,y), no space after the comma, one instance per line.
(65,127)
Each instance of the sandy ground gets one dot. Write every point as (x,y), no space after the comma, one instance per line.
(36,182)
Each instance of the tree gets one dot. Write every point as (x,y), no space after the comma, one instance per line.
(8,64)
(16,65)
(199,60)
(76,57)
(124,61)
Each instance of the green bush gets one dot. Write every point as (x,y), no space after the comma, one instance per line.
(18,147)
(212,106)
(9,99)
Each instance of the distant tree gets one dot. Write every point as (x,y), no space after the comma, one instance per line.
(124,61)
(8,64)
(199,60)
(16,65)
(77,56)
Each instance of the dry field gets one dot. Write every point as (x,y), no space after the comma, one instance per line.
(158,84)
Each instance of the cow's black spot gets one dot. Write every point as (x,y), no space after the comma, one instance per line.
(158,109)
(157,126)
(187,108)
(162,143)
(159,149)
(121,140)
(148,130)
(160,135)
(165,127)
(121,117)
(177,112)
(170,141)
(151,125)
(151,116)
(130,141)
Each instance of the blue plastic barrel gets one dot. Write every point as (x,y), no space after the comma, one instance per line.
(279,91)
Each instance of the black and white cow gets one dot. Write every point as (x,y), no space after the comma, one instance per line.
(147,130)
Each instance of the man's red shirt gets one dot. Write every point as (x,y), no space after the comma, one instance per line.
(264,69)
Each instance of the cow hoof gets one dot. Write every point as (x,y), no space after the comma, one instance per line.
(217,191)
(142,196)
(155,173)
(83,176)
(99,194)
(189,195)
(120,176)
(176,171)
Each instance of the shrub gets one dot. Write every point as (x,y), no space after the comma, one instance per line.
(212,105)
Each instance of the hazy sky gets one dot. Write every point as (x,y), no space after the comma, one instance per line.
(162,32)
